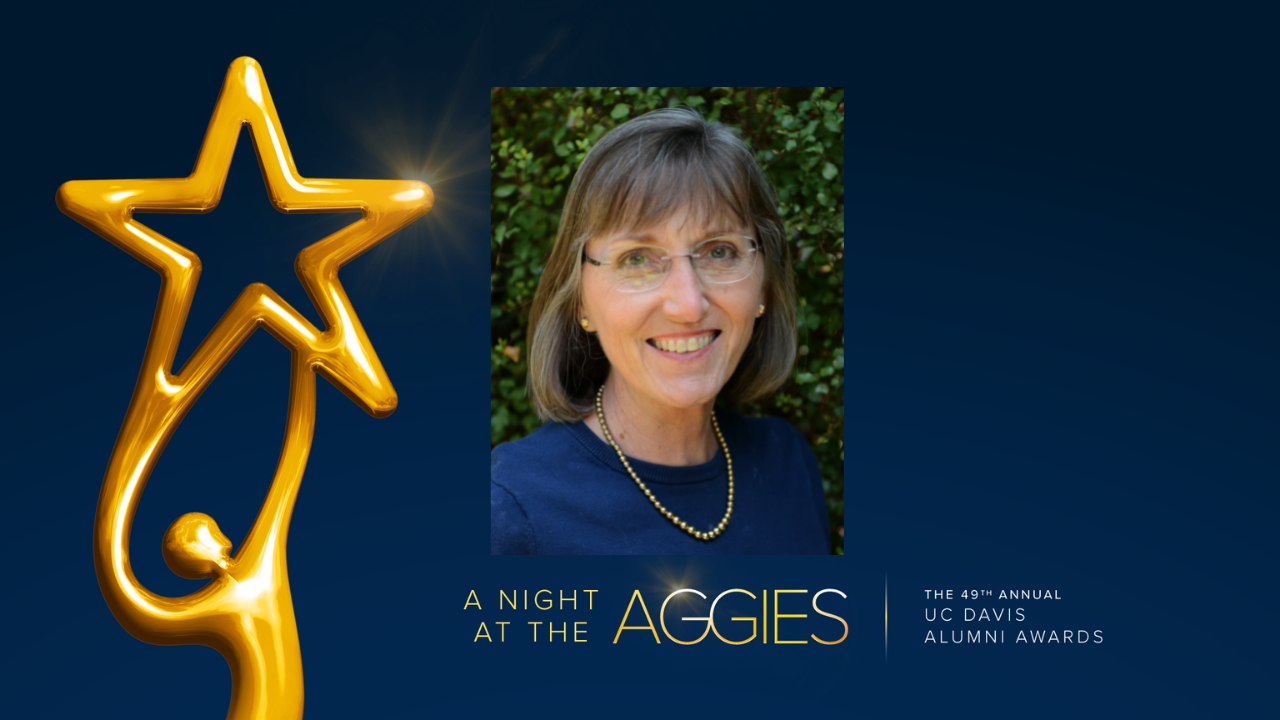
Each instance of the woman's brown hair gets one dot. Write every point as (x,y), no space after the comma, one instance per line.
(640,173)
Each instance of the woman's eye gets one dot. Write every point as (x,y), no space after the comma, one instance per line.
(634,259)
(722,252)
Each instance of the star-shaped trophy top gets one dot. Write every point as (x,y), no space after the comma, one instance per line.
(342,352)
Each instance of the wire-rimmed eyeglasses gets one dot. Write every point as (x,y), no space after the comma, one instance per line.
(719,260)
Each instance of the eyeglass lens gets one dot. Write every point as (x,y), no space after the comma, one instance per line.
(718,260)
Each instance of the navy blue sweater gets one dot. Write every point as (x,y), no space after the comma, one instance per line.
(563,491)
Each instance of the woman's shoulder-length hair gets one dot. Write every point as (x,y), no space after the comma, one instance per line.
(642,172)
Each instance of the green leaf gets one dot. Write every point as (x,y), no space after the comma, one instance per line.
(829,171)
(620,111)
(504,190)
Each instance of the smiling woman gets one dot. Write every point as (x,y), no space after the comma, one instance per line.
(669,285)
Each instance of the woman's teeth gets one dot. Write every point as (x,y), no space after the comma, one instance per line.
(685,345)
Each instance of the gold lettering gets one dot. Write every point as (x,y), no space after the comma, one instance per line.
(662,620)
(648,627)
(777,615)
(742,619)
(764,618)
(842,622)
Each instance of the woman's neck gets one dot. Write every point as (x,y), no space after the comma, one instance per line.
(655,433)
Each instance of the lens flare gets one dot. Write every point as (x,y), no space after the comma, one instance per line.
(404,132)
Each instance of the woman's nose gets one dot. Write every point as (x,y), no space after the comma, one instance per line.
(685,300)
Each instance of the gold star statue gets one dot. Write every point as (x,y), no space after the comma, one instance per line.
(245,612)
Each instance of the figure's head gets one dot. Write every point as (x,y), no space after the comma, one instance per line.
(669,244)
(195,548)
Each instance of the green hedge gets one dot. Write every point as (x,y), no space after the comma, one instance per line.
(540,135)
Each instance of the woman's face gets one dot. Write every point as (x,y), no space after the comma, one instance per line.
(683,312)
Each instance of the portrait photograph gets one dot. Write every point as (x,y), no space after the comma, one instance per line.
(667,321)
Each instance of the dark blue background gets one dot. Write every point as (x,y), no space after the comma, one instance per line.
(1062,330)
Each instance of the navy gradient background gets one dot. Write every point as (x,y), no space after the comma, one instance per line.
(1062,277)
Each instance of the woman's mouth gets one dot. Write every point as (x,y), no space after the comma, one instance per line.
(684,345)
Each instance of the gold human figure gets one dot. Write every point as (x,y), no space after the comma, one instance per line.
(245,611)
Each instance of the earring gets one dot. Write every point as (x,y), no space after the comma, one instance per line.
(760,312)
(584,323)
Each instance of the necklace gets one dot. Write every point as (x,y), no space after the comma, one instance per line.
(724,521)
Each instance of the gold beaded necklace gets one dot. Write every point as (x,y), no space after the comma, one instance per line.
(706,536)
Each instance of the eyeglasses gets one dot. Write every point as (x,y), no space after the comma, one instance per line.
(637,268)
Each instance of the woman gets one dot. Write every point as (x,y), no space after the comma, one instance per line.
(669,285)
